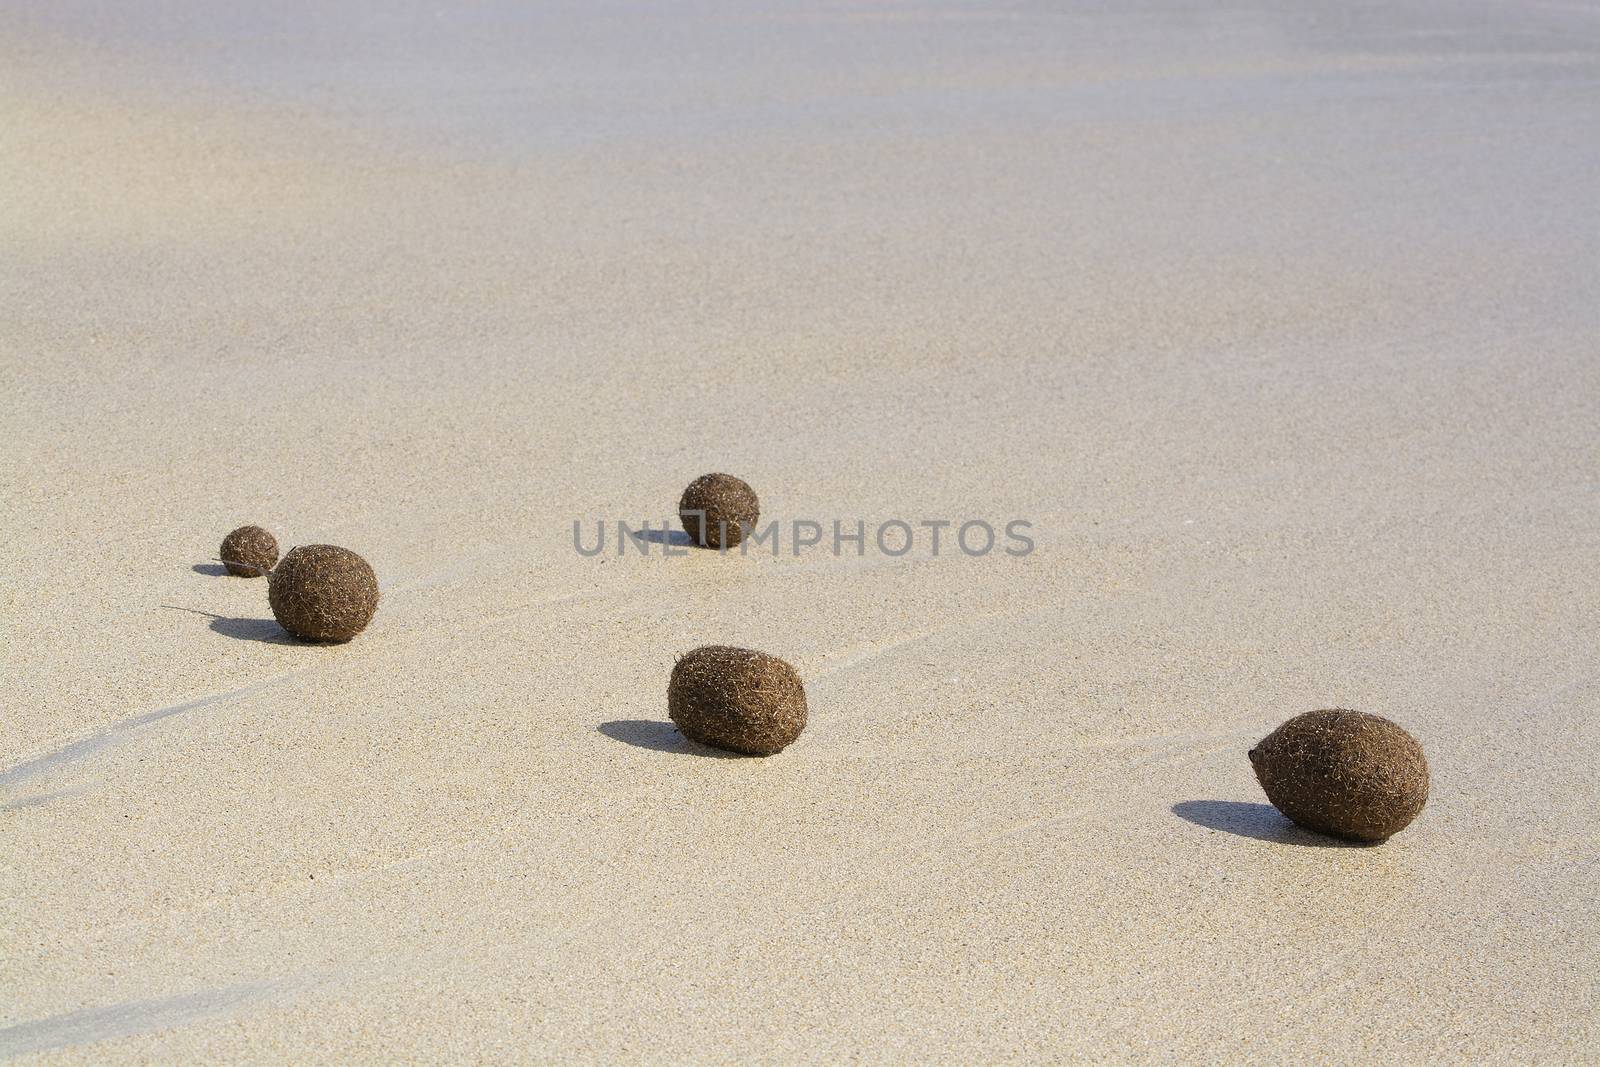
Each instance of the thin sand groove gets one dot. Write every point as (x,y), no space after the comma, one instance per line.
(121,733)
(860,654)
(1189,753)
(90,1026)
(1024,826)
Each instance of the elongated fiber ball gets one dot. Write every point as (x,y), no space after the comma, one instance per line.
(738,699)
(1344,773)
(718,510)
(323,593)
(248,552)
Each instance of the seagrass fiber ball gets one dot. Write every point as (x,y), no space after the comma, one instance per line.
(248,552)
(323,593)
(1344,773)
(718,510)
(738,699)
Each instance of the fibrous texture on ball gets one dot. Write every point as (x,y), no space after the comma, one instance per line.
(718,510)
(1344,773)
(738,699)
(249,552)
(323,593)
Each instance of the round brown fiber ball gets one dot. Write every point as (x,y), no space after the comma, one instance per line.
(738,699)
(248,552)
(1344,773)
(323,593)
(730,510)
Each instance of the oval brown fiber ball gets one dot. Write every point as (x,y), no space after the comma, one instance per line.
(1344,773)
(248,552)
(738,699)
(323,593)
(729,508)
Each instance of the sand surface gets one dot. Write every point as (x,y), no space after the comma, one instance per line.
(1280,322)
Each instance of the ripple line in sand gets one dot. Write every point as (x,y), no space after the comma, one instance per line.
(128,1018)
(121,733)
(862,653)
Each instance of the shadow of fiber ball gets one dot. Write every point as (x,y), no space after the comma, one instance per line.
(323,593)
(248,552)
(1344,773)
(718,510)
(736,699)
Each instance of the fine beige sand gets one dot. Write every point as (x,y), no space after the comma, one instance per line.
(1280,322)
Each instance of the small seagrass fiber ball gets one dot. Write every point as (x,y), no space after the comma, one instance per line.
(718,510)
(249,552)
(323,593)
(738,699)
(1344,773)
